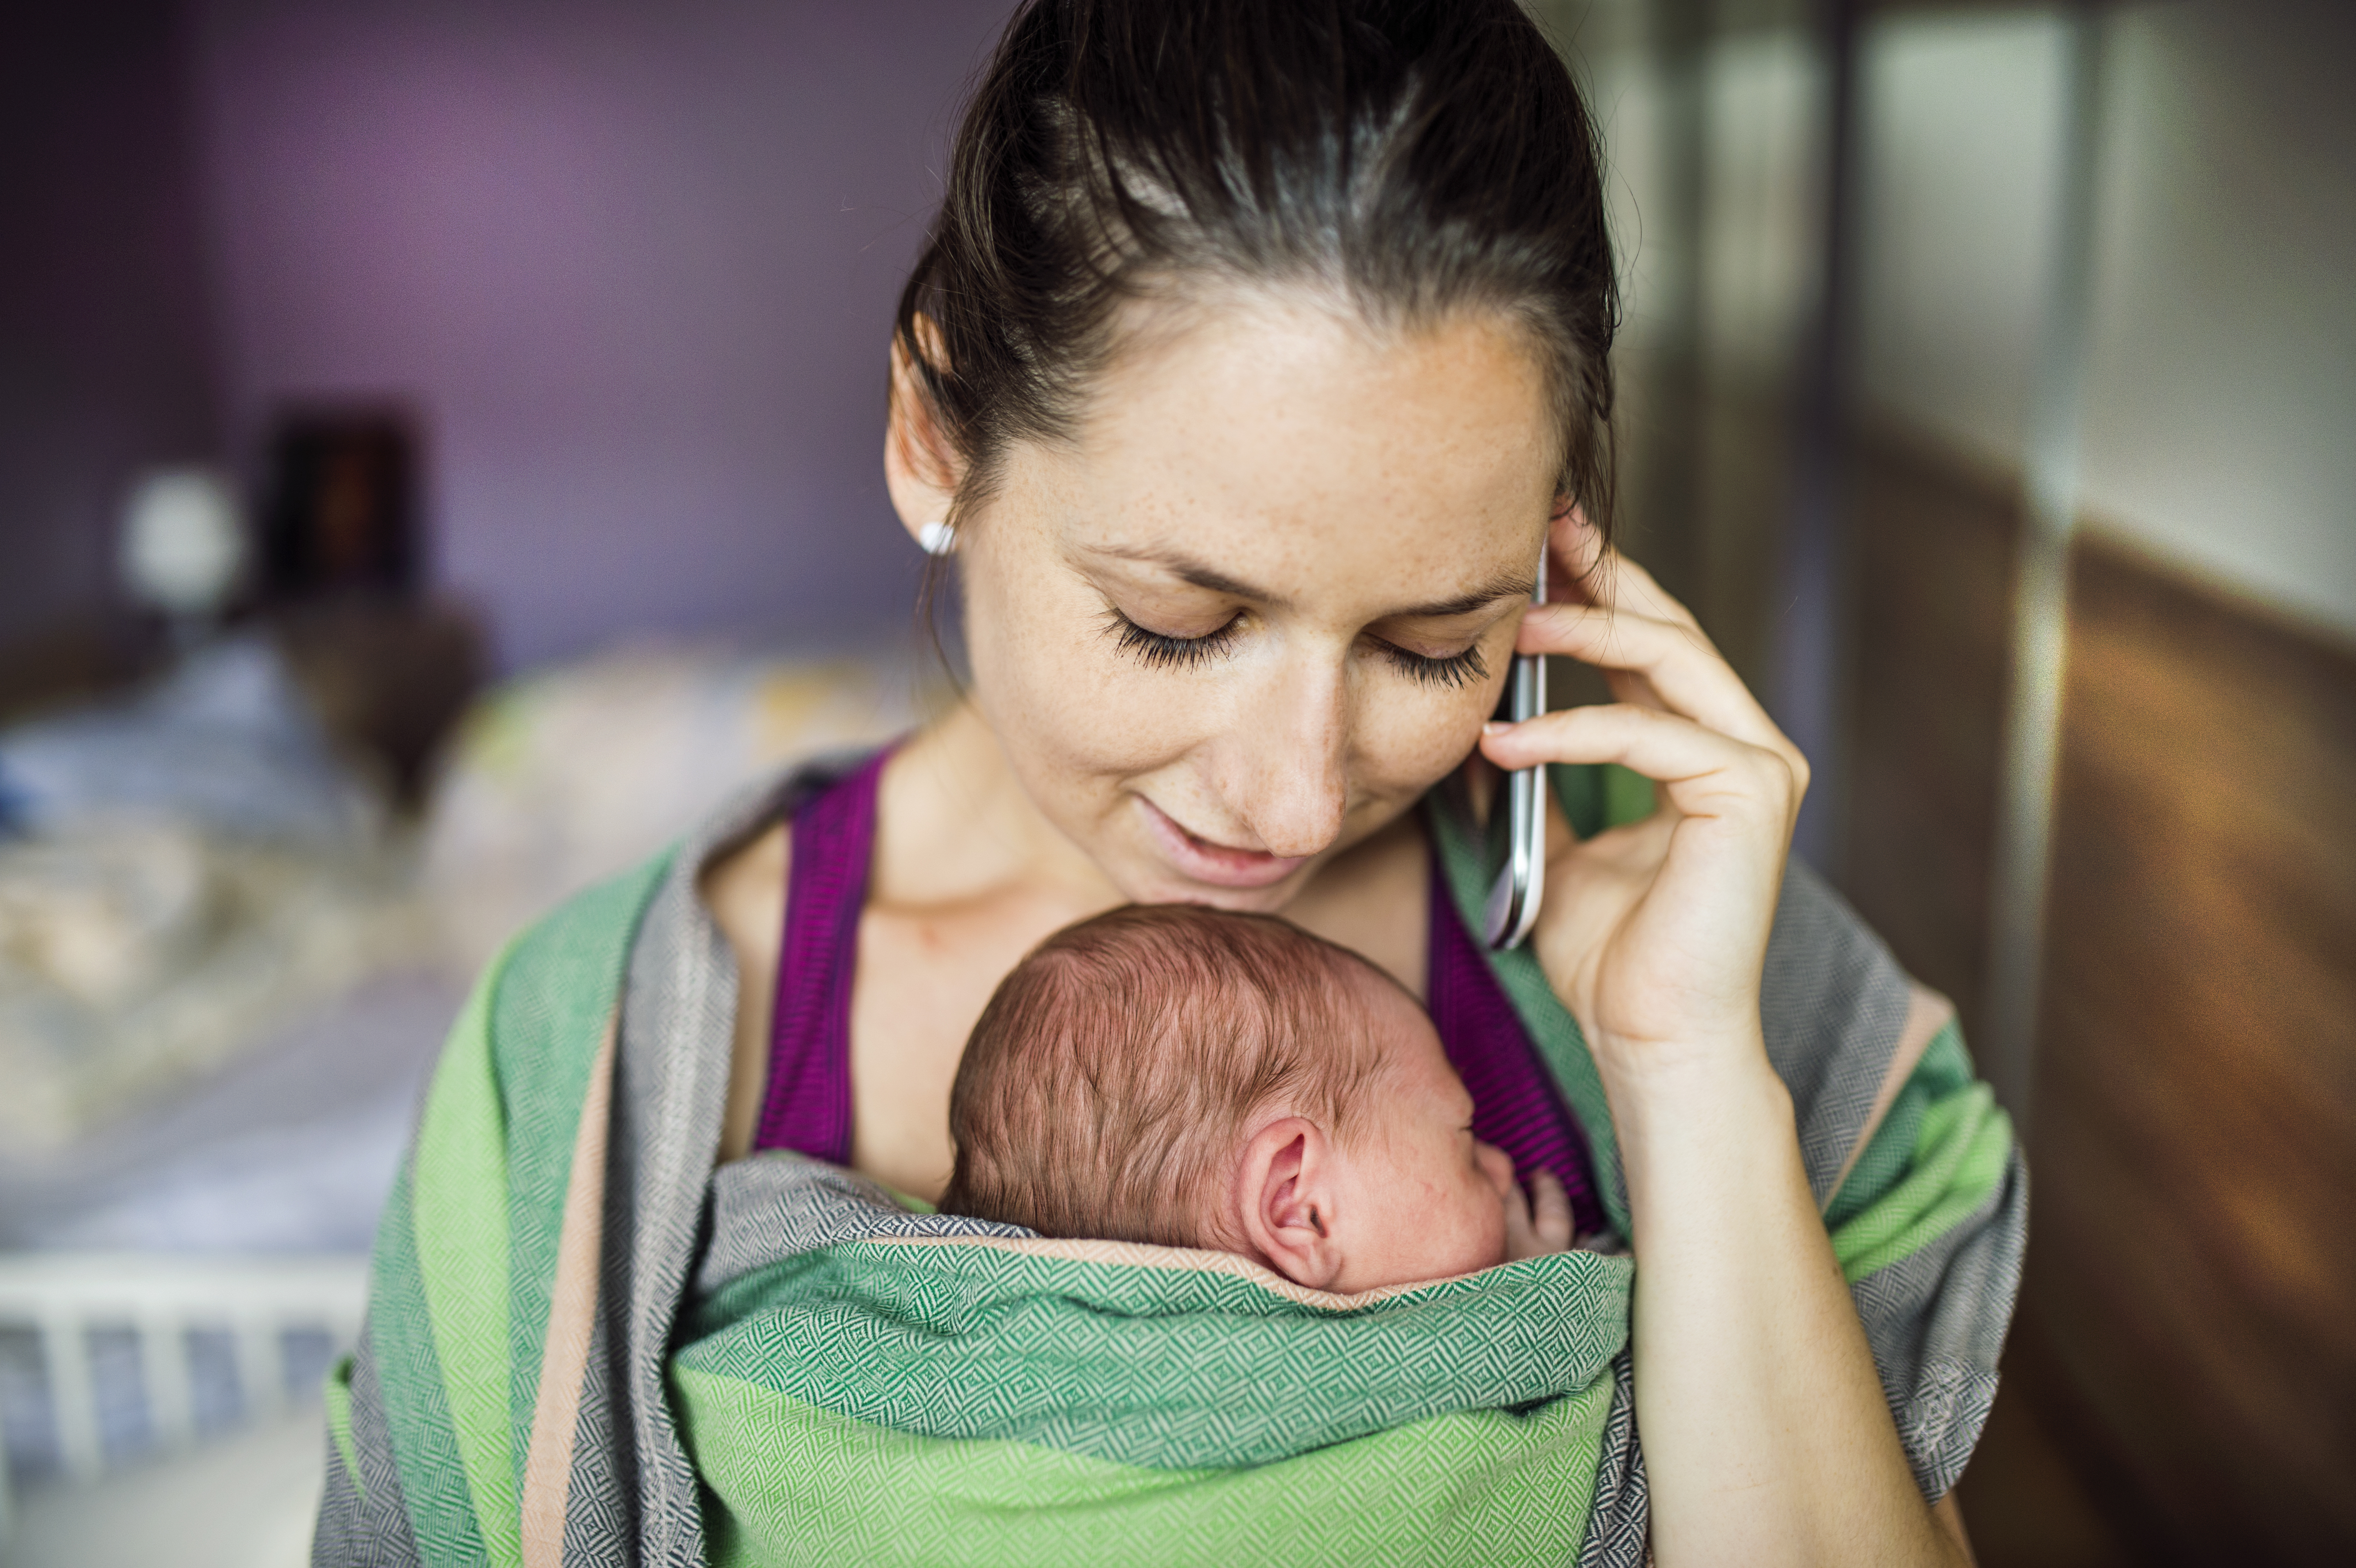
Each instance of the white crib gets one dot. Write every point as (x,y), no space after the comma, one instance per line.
(63,1298)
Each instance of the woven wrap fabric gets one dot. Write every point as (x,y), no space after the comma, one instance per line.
(586,1346)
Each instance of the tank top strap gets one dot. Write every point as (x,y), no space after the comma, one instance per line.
(1515,1103)
(808,1106)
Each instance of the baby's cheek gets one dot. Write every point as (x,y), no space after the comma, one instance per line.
(1476,1232)
(1492,1231)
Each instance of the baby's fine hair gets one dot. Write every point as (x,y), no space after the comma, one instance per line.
(1113,1076)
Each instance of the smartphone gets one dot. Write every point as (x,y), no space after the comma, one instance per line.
(1517,833)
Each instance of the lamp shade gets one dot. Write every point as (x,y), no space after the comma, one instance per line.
(183,542)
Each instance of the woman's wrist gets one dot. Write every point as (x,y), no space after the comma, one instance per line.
(1766,1434)
(1685,1073)
(1696,1115)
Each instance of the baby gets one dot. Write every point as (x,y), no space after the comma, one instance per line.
(1195,1078)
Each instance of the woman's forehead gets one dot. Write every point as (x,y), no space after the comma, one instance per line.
(1290,452)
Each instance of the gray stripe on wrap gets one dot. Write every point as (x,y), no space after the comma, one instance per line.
(600,1509)
(679,1016)
(1833,1004)
(774,1205)
(370,1530)
(1620,1517)
(1936,1321)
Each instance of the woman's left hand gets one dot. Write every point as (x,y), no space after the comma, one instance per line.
(1655,935)
(1767,1438)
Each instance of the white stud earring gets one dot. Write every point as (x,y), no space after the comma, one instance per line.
(935,538)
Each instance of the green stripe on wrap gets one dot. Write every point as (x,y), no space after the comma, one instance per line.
(545,1037)
(1945,1070)
(401,1337)
(335,1393)
(1162,1367)
(792,1483)
(461,1221)
(465,1255)
(1962,1145)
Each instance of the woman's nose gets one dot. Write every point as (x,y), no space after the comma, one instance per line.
(1285,756)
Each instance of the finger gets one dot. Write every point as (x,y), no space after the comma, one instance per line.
(1704,772)
(1594,622)
(1633,689)
(1684,671)
(1573,547)
(1521,1236)
(1573,575)
(1601,577)
(1634,588)
(1549,1209)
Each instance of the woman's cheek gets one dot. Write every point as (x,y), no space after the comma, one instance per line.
(1076,716)
(1409,737)
(1095,712)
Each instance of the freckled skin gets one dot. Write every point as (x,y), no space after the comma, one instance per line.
(1344,476)
(1347,479)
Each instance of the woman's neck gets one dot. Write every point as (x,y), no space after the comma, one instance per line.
(956,826)
(958,835)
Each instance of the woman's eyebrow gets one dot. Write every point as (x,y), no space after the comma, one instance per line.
(1512,585)
(1191,571)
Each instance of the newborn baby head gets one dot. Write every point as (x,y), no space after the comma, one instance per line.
(1192,1077)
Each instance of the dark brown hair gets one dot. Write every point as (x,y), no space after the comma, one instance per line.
(1117,1068)
(1409,159)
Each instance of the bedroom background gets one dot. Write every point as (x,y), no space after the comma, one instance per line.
(438,454)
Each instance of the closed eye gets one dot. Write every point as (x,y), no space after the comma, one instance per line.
(1455,670)
(1160,650)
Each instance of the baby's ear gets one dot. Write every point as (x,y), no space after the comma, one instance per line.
(1285,1200)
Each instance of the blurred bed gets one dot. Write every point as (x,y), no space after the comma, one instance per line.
(229,953)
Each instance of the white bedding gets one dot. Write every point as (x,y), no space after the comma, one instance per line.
(244,1501)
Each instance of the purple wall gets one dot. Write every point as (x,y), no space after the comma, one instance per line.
(634,264)
(104,350)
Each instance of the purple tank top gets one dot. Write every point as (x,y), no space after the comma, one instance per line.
(808,1108)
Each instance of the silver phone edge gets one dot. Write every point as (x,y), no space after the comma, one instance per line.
(1520,888)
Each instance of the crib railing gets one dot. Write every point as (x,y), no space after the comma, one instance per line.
(164,1300)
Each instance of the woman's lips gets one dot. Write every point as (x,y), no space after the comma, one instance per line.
(1216,864)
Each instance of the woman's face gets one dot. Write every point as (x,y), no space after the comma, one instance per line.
(1266,596)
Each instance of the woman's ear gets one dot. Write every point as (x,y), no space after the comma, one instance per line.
(920,467)
(1285,1199)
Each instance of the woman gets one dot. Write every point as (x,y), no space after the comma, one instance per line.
(1258,354)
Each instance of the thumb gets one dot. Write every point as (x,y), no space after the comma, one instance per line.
(1549,1211)
(1522,1240)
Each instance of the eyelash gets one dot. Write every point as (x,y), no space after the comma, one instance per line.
(1158,650)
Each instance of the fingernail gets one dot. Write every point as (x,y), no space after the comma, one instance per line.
(1496,726)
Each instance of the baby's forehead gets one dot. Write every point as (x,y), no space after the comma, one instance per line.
(1382,1016)
(1372,989)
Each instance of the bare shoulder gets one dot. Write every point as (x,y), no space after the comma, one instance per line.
(745,891)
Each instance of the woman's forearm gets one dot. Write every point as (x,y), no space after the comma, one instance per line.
(1765,1433)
